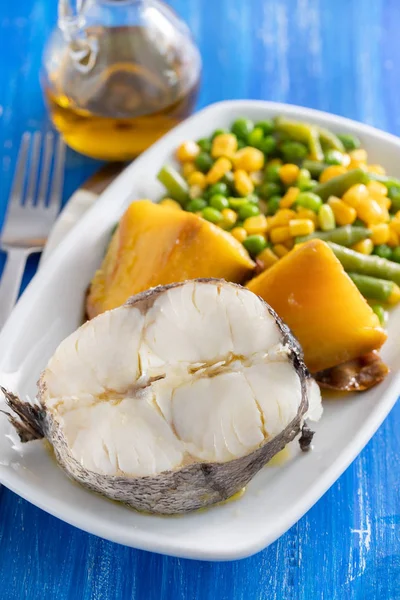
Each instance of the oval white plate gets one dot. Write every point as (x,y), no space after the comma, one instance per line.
(52,307)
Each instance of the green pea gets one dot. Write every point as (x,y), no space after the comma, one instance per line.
(268,145)
(273,205)
(211,214)
(236,203)
(382,250)
(218,132)
(205,144)
(229,180)
(242,127)
(381,313)
(272,173)
(255,137)
(293,152)
(196,205)
(219,201)
(203,162)
(241,144)
(267,126)
(303,180)
(394,195)
(255,244)
(218,188)
(252,198)
(269,188)
(333,157)
(309,200)
(248,210)
(350,142)
(396,254)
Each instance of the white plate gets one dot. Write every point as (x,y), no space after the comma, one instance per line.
(52,307)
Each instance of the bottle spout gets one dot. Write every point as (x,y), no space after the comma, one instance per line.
(83,49)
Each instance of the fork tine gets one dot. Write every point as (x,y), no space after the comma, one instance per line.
(58,177)
(46,166)
(33,169)
(17,189)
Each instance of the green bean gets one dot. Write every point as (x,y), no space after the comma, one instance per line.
(330,140)
(174,183)
(381,313)
(334,157)
(301,132)
(337,186)
(365,264)
(344,236)
(314,166)
(350,142)
(372,287)
(386,180)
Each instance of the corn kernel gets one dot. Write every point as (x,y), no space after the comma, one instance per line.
(280,234)
(360,154)
(344,214)
(170,203)
(239,233)
(268,258)
(383,202)
(274,161)
(355,194)
(257,177)
(394,297)
(380,233)
(289,198)
(249,159)
(224,144)
(187,151)
(346,160)
(195,191)
(307,213)
(229,218)
(243,184)
(326,218)
(257,224)
(364,247)
(371,213)
(188,168)
(220,167)
(289,173)
(378,169)
(282,217)
(301,227)
(395,225)
(331,172)
(197,178)
(280,250)
(376,188)
(394,238)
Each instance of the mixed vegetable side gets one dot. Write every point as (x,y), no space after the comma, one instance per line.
(277,183)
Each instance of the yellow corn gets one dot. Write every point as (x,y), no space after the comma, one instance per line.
(170,203)
(394,297)
(195,191)
(280,250)
(331,172)
(301,227)
(380,233)
(282,217)
(220,167)
(268,258)
(346,160)
(188,168)
(249,159)
(378,169)
(394,238)
(197,178)
(376,188)
(383,201)
(187,151)
(395,225)
(355,194)
(364,247)
(229,218)
(257,224)
(243,184)
(274,161)
(289,198)
(307,213)
(344,214)
(239,233)
(371,213)
(358,158)
(289,173)
(257,177)
(224,144)
(280,234)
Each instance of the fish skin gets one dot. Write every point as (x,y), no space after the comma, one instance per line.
(178,491)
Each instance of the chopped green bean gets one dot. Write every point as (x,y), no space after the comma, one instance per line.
(372,287)
(174,183)
(365,264)
(315,167)
(337,186)
(330,140)
(301,132)
(381,313)
(350,142)
(345,236)
(334,157)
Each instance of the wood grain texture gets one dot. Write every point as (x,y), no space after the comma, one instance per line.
(341,56)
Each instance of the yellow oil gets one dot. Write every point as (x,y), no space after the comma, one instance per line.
(130,98)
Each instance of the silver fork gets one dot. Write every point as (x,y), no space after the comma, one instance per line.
(28,223)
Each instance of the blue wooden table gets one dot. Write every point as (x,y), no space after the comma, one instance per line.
(336,55)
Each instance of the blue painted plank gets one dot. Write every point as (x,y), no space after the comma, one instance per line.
(338,56)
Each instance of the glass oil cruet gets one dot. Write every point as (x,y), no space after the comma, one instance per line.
(118,74)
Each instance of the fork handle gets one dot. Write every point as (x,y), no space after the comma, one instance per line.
(11,281)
